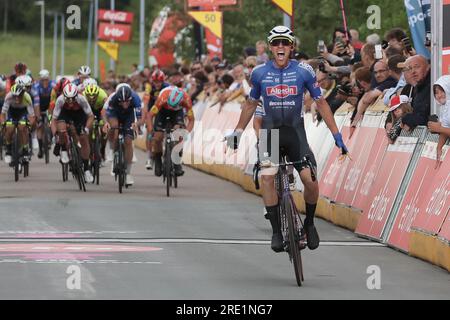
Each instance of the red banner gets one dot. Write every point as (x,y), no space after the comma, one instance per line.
(445,232)
(415,195)
(116,32)
(436,201)
(214,45)
(386,186)
(371,169)
(211,3)
(115,16)
(359,148)
(333,173)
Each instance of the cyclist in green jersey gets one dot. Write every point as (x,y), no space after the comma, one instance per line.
(97,97)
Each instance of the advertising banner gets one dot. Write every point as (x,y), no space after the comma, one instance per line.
(386,186)
(434,204)
(416,194)
(116,32)
(360,150)
(115,16)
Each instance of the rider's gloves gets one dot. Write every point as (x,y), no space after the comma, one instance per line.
(233,139)
(340,143)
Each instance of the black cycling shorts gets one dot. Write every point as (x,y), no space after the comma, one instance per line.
(293,143)
(165,117)
(79,118)
(17,114)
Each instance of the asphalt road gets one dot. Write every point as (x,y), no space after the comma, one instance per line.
(208,241)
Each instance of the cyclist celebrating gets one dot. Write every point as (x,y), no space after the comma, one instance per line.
(41,92)
(17,107)
(150,97)
(282,83)
(172,103)
(123,108)
(73,107)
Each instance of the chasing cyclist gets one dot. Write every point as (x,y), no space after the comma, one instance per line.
(41,92)
(123,108)
(73,107)
(151,95)
(97,97)
(173,103)
(282,83)
(17,107)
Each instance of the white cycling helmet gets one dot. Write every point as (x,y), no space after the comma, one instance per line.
(70,91)
(281,32)
(24,81)
(89,81)
(121,85)
(85,71)
(44,74)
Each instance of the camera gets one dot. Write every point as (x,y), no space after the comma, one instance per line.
(322,67)
(345,89)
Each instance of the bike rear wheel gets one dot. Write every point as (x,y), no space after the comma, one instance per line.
(121,168)
(46,143)
(168,171)
(78,167)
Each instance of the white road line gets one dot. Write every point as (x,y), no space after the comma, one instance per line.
(183,241)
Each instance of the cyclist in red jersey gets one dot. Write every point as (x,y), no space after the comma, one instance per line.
(175,104)
(73,107)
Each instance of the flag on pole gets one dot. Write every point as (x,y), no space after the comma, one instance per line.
(111,48)
(211,20)
(286,5)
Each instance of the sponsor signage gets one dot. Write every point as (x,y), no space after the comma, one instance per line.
(282,91)
(115,16)
(116,32)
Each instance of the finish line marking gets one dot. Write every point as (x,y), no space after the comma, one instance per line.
(181,241)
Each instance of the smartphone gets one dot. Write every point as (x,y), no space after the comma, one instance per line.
(407,43)
(378,52)
(428,40)
(433,118)
(321,46)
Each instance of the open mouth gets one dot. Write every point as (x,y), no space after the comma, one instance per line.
(281,55)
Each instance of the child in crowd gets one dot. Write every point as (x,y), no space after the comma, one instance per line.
(441,91)
(399,107)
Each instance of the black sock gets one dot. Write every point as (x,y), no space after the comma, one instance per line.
(86,165)
(40,144)
(273,216)
(310,212)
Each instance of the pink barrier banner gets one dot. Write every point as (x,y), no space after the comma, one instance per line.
(333,173)
(386,186)
(435,202)
(416,194)
(445,232)
(359,147)
(375,157)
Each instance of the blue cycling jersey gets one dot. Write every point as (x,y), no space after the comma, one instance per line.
(136,105)
(41,96)
(283,91)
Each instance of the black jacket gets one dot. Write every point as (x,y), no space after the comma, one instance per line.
(421,104)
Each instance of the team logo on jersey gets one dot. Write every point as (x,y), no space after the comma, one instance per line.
(282,91)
